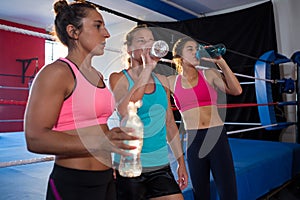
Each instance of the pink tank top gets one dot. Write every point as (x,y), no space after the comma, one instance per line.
(200,95)
(88,105)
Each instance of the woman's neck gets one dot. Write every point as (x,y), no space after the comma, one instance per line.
(189,73)
(136,67)
(82,61)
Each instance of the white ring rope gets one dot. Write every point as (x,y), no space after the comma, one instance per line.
(13,88)
(240,75)
(25,162)
(10,120)
(241,123)
(26,32)
(42,35)
(250,129)
(243,130)
(247,83)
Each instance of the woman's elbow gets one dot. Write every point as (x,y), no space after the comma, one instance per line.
(238,91)
(32,142)
(235,91)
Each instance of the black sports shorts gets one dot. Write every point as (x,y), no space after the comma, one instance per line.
(72,184)
(160,182)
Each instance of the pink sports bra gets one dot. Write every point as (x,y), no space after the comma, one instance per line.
(88,105)
(200,95)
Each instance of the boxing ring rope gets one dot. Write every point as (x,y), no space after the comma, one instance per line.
(239,105)
(247,83)
(237,74)
(26,32)
(12,102)
(250,129)
(242,75)
(42,35)
(242,124)
(27,161)
(14,88)
(10,120)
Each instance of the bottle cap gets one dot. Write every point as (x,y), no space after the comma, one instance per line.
(210,51)
(132,107)
(159,49)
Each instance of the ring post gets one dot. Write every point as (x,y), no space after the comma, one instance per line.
(296,59)
(263,88)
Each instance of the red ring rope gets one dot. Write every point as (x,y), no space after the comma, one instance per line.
(239,105)
(12,102)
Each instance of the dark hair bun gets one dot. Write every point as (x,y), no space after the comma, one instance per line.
(60,6)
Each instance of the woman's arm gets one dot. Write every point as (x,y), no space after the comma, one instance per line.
(50,87)
(47,94)
(173,138)
(171,82)
(226,81)
(119,83)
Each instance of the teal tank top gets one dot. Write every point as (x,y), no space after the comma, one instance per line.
(153,115)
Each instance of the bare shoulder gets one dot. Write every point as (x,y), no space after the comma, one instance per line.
(171,79)
(56,75)
(211,75)
(162,78)
(211,72)
(117,79)
(115,75)
(56,69)
(56,72)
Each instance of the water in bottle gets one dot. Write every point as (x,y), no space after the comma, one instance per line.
(130,166)
(159,49)
(210,51)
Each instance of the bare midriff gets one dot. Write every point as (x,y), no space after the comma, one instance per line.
(201,118)
(98,162)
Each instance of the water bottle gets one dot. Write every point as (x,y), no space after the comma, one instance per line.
(131,166)
(159,49)
(210,51)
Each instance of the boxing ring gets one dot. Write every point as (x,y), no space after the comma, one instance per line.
(262,167)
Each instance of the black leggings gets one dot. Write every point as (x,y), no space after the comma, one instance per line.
(208,149)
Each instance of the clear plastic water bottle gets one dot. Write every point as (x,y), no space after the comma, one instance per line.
(131,166)
(210,51)
(159,49)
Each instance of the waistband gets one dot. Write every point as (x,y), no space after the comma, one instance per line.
(81,177)
(205,130)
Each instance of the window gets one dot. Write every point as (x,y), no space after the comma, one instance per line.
(54,50)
